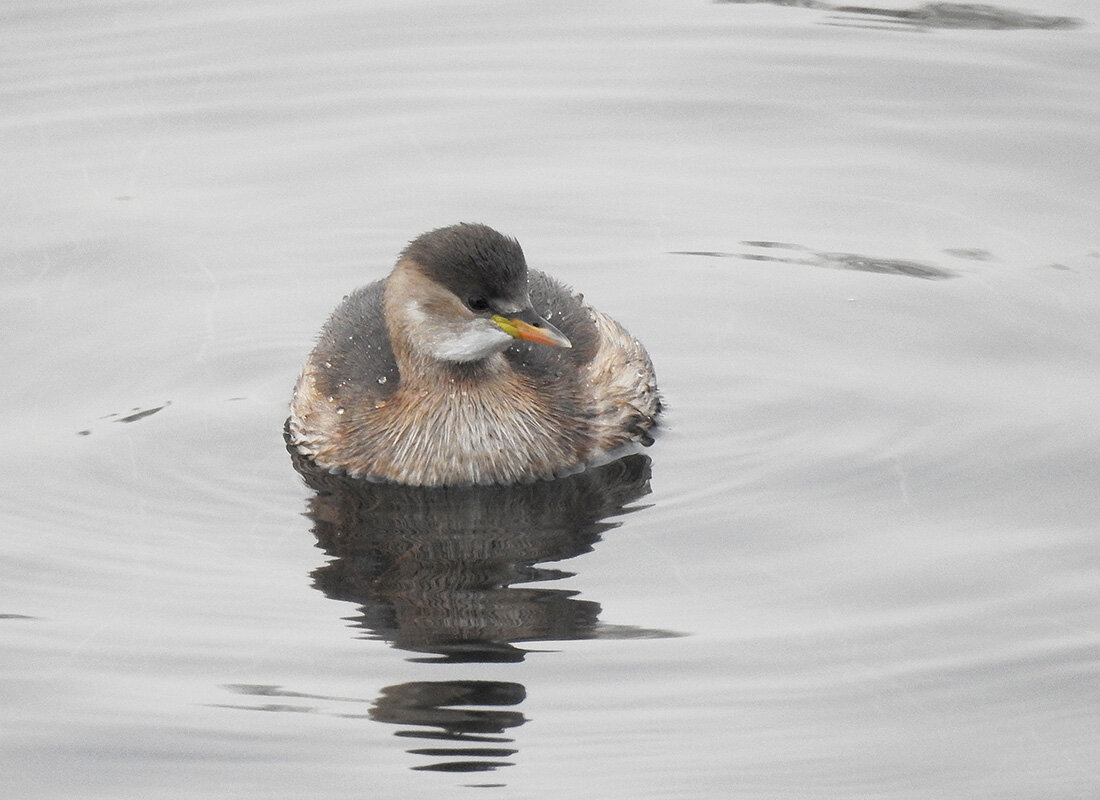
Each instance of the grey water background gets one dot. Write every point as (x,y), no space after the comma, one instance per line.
(860,244)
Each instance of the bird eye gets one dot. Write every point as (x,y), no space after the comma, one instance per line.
(478,304)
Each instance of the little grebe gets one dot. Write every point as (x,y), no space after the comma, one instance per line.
(448,372)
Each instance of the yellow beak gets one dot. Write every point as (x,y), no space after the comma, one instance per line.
(542,333)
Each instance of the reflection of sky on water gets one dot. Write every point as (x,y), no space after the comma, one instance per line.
(972,16)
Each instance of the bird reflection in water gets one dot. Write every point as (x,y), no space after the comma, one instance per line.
(443,572)
(467,716)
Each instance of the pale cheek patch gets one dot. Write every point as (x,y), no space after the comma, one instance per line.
(465,340)
(472,343)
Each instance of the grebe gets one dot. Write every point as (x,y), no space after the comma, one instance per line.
(448,372)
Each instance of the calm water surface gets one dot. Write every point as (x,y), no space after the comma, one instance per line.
(861,246)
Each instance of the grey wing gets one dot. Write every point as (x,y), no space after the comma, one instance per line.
(354,357)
